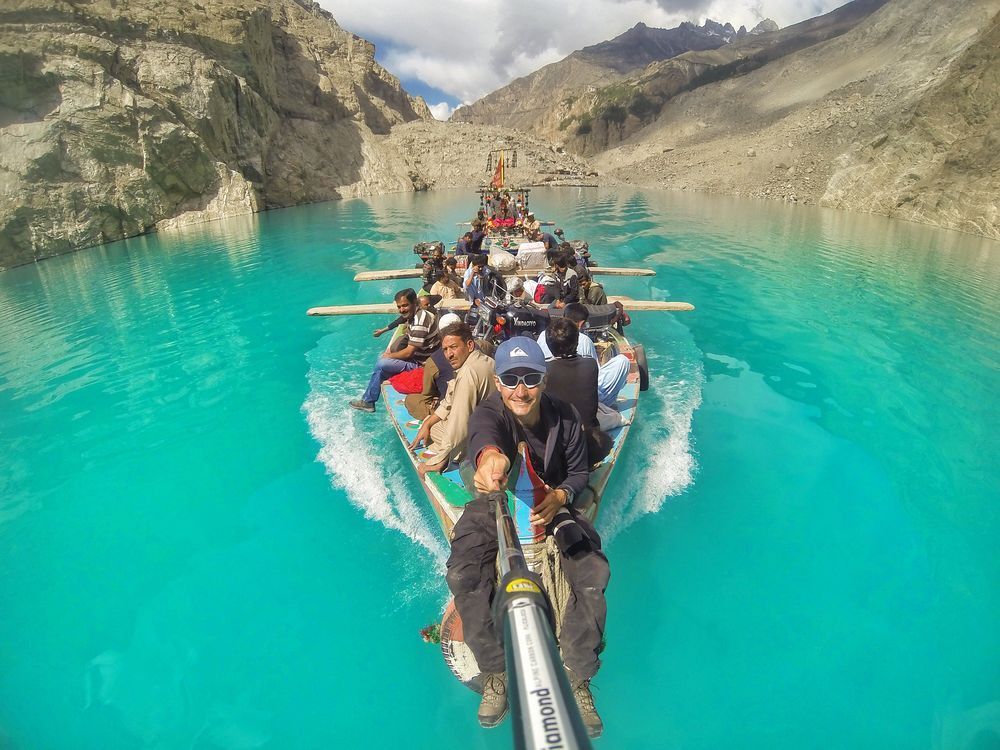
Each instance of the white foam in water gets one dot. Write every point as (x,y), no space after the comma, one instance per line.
(665,465)
(355,464)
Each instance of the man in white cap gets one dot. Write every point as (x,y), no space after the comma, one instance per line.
(531,224)
(445,430)
(521,411)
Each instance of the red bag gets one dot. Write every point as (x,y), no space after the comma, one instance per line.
(411,381)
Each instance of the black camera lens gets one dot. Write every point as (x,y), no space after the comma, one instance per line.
(567,532)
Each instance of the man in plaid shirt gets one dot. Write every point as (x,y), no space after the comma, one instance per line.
(422,339)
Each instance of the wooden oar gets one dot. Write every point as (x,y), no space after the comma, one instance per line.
(388,308)
(415,273)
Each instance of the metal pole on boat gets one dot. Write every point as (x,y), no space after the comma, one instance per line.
(543,710)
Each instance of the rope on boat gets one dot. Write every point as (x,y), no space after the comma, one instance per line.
(545,560)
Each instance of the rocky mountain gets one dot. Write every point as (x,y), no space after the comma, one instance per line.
(641,45)
(898,115)
(118,116)
(532,102)
(604,116)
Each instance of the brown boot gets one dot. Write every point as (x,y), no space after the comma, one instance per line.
(585,702)
(493,707)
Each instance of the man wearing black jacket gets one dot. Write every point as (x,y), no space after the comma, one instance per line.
(574,379)
(551,429)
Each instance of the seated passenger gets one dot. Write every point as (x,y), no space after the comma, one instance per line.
(438,374)
(573,379)
(464,246)
(518,294)
(446,430)
(478,235)
(522,316)
(445,286)
(562,286)
(432,265)
(423,339)
(612,375)
(591,292)
(451,266)
(531,224)
(429,302)
(481,281)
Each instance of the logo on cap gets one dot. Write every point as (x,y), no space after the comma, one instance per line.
(517,352)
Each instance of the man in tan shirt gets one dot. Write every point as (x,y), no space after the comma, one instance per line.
(446,430)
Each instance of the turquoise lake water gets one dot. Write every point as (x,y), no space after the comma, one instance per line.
(201,547)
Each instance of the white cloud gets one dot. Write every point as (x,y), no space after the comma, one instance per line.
(441,111)
(468,48)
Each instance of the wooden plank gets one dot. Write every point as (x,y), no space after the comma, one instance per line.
(608,271)
(646,305)
(399,273)
(389,308)
(386,308)
(414,273)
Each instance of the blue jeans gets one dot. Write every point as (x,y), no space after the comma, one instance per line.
(611,378)
(385,368)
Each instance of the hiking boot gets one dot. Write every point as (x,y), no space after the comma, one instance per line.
(493,706)
(360,405)
(585,702)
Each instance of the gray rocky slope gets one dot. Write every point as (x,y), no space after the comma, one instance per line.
(538,101)
(897,116)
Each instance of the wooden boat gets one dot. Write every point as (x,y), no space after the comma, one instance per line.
(446,491)
(447,494)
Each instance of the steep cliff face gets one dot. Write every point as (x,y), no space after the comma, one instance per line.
(117,116)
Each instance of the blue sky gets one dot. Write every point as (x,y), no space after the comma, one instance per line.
(385,51)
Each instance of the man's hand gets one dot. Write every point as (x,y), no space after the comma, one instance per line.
(423,435)
(491,471)
(545,511)
(378,332)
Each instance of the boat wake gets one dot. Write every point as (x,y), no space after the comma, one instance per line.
(358,449)
(362,456)
(659,459)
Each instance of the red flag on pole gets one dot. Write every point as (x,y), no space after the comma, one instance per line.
(498,174)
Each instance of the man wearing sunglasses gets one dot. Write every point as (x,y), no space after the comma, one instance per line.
(522,412)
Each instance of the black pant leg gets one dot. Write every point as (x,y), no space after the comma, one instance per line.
(472,580)
(586,609)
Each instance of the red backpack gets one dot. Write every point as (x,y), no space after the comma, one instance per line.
(411,381)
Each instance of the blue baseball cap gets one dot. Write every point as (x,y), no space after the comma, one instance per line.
(519,351)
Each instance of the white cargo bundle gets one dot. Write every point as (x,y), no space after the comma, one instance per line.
(531,255)
(503,261)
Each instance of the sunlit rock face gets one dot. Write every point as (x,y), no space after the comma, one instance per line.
(117,116)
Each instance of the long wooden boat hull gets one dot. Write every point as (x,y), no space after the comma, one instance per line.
(448,495)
